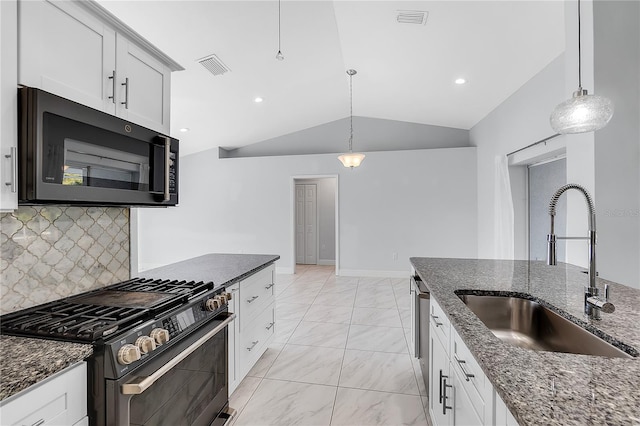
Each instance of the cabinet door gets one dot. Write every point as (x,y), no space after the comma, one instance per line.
(234,339)
(66,51)
(8,105)
(143,87)
(438,378)
(463,412)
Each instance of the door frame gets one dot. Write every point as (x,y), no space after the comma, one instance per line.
(292,216)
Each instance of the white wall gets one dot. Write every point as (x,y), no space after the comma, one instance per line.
(413,203)
(617,146)
(520,120)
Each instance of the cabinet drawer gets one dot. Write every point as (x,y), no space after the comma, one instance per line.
(256,292)
(60,399)
(471,375)
(440,322)
(256,335)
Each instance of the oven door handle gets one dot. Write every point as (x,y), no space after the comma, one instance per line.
(140,384)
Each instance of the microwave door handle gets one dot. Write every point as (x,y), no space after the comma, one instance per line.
(140,384)
(167,164)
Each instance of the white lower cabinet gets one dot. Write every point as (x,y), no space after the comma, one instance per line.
(58,400)
(253,302)
(459,391)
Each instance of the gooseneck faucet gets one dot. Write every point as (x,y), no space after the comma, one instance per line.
(592,303)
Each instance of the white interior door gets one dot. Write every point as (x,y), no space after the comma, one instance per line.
(311,234)
(306,224)
(300,245)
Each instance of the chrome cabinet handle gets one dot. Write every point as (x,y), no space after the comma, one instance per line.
(460,362)
(252,299)
(14,169)
(435,320)
(235,290)
(139,384)
(445,407)
(270,326)
(126,93)
(269,286)
(112,77)
(440,386)
(38,423)
(167,165)
(253,345)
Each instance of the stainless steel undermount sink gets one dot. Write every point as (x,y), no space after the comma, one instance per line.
(530,325)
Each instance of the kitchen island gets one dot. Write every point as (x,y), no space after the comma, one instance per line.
(538,387)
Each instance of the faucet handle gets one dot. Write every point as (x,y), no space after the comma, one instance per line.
(606,292)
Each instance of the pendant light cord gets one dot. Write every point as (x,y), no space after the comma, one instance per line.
(279,50)
(579,52)
(351,112)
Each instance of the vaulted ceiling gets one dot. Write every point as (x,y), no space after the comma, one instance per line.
(406,72)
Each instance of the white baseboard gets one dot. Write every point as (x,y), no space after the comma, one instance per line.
(284,270)
(370,273)
(326,262)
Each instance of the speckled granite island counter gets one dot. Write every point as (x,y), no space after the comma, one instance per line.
(219,268)
(589,390)
(25,362)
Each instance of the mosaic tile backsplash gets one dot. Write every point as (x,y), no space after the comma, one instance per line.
(53,252)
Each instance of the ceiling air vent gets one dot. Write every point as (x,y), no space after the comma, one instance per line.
(214,65)
(418,17)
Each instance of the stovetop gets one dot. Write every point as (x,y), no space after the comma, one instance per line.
(100,314)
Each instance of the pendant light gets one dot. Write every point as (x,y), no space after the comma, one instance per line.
(279,55)
(351,159)
(583,112)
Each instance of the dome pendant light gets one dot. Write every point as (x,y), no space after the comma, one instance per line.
(351,159)
(583,112)
(279,55)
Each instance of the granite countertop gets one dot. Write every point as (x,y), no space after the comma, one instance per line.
(221,269)
(589,390)
(25,361)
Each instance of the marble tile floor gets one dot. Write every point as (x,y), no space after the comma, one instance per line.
(340,356)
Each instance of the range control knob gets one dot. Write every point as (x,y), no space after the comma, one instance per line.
(223,298)
(146,344)
(128,354)
(228,296)
(160,335)
(212,304)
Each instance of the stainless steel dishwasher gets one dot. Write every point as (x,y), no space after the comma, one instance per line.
(420,337)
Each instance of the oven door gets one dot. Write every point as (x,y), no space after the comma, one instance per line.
(187,385)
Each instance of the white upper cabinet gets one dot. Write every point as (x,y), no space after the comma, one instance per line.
(66,51)
(144,86)
(8,105)
(81,52)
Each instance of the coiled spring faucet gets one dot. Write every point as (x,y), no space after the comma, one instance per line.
(593,304)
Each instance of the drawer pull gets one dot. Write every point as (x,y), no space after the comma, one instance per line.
(435,320)
(252,299)
(38,423)
(253,345)
(460,362)
(269,286)
(270,326)
(445,407)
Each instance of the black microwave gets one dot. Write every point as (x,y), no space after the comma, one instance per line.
(72,154)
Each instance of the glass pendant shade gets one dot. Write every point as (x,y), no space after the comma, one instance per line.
(582,113)
(351,159)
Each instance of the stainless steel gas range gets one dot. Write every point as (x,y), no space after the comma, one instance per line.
(160,349)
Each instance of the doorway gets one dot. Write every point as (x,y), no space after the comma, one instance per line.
(544,179)
(315,221)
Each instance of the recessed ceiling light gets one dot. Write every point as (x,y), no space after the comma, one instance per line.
(258,100)
(460,81)
(185,129)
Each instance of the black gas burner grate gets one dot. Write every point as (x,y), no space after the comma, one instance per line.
(98,314)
